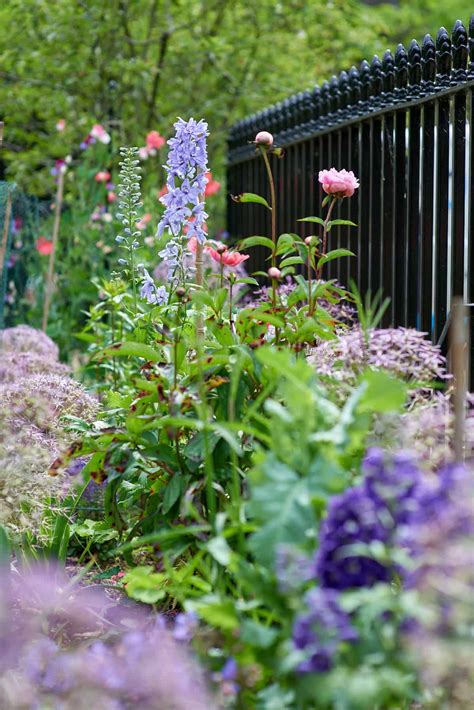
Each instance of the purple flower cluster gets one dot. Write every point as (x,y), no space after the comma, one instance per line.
(153,294)
(320,631)
(67,646)
(404,352)
(374,513)
(25,339)
(186,181)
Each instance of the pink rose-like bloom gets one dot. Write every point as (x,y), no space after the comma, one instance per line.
(154,140)
(99,132)
(226,257)
(274,273)
(342,183)
(264,138)
(143,153)
(61,125)
(212,186)
(111,196)
(102,176)
(44,246)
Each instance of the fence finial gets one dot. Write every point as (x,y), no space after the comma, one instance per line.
(443,57)
(376,83)
(388,67)
(401,72)
(471,46)
(428,63)
(354,87)
(460,52)
(414,67)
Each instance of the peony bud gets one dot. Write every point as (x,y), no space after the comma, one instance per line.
(264,138)
(274,273)
(308,241)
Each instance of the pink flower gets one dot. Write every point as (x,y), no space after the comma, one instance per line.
(192,244)
(342,183)
(264,138)
(144,221)
(212,186)
(111,196)
(143,153)
(99,132)
(154,141)
(102,176)
(228,258)
(44,246)
(274,273)
(61,125)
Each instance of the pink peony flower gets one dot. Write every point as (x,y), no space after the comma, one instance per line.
(212,186)
(99,132)
(342,183)
(154,141)
(264,138)
(143,153)
(44,246)
(274,273)
(61,125)
(111,196)
(229,258)
(102,176)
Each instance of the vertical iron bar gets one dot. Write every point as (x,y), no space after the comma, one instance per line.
(442,216)
(425,273)
(388,234)
(400,232)
(413,215)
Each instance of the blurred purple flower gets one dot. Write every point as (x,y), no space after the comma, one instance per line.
(320,631)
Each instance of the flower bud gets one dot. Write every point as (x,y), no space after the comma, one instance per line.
(221,248)
(308,241)
(274,273)
(264,138)
(180,292)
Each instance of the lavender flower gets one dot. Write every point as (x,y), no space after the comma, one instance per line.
(152,293)
(186,181)
(321,631)
(185,625)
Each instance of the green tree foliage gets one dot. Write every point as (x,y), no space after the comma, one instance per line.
(138,63)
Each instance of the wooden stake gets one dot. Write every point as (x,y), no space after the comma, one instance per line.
(50,277)
(5,233)
(459,356)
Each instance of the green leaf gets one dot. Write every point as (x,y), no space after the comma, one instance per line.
(172,493)
(220,550)
(257,634)
(317,220)
(217,612)
(4,546)
(345,222)
(382,393)
(247,280)
(334,254)
(251,197)
(145,585)
(256,241)
(281,503)
(291,260)
(130,348)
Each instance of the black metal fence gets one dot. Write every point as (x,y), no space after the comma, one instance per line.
(405,126)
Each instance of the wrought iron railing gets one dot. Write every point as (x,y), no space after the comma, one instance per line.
(405,126)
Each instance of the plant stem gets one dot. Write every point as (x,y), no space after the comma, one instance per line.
(50,277)
(273,216)
(325,234)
